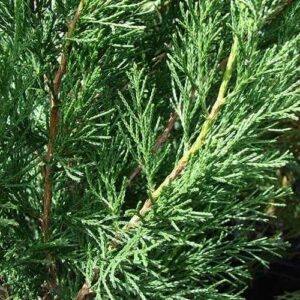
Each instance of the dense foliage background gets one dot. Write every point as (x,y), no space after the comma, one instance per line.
(101,100)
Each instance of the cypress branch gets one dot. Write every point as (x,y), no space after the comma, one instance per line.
(166,132)
(198,143)
(54,120)
(204,131)
(53,131)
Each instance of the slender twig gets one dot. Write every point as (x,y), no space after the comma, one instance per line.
(4,293)
(53,132)
(198,143)
(85,293)
(279,10)
(159,142)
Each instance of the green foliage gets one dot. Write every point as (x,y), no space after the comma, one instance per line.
(141,133)
(132,63)
(289,296)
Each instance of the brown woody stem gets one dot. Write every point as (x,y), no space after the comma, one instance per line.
(53,132)
(54,120)
(85,293)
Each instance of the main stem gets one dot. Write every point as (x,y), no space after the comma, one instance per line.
(197,144)
(54,120)
(53,132)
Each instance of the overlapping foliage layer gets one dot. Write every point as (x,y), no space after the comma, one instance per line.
(130,65)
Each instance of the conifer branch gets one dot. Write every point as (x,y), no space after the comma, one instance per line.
(134,221)
(53,132)
(169,127)
(54,120)
(164,136)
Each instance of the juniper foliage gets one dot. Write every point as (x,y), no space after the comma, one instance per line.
(66,155)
